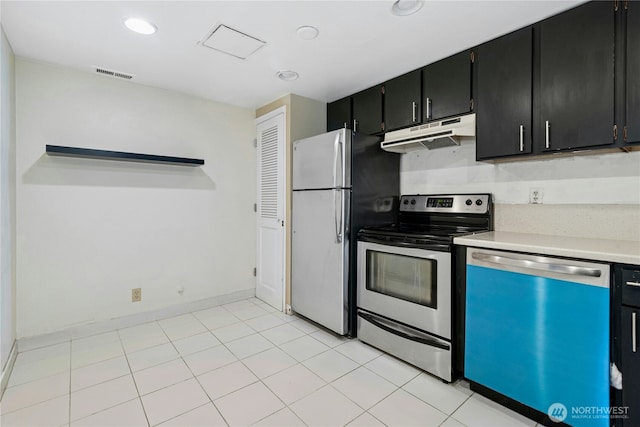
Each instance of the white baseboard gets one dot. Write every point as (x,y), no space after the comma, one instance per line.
(8,368)
(31,343)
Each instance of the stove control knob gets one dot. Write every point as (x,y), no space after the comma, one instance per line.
(469,202)
(413,201)
(406,202)
(479,202)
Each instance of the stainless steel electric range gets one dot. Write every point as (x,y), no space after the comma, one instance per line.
(406,276)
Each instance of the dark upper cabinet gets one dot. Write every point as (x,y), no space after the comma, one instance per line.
(566,83)
(632,86)
(402,101)
(339,114)
(503,97)
(446,87)
(576,76)
(367,111)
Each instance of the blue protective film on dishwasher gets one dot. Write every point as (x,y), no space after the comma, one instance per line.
(541,342)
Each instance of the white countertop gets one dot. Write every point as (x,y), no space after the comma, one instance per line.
(621,251)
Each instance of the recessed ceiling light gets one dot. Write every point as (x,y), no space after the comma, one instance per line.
(406,7)
(287,75)
(140,26)
(307,32)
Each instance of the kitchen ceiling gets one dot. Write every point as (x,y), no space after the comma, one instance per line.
(360,42)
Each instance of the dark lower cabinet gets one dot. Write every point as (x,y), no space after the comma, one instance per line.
(446,87)
(632,92)
(576,65)
(630,361)
(339,114)
(402,101)
(503,98)
(627,343)
(367,111)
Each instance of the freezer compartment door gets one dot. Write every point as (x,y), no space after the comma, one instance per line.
(322,161)
(320,257)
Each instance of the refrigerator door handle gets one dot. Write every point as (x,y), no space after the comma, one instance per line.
(341,210)
(335,160)
(338,221)
(342,160)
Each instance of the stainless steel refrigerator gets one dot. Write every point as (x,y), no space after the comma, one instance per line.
(342,181)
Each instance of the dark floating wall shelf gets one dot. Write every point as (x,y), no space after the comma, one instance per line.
(58,150)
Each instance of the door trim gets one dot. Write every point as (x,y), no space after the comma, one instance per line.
(272,114)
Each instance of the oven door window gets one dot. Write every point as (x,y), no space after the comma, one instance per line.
(408,278)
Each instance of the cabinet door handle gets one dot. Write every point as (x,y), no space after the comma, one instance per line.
(428,108)
(413,106)
(633,283)
(633,332)
(546,134)
(355,125)
(521,137)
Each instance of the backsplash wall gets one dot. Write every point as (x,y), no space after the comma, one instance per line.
(620,222)
(599,193)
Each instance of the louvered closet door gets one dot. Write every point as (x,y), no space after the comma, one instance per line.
(270,274)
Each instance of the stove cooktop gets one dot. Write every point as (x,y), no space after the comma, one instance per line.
(435,219)
(421,231)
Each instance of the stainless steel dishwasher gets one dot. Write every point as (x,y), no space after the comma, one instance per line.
(537,332)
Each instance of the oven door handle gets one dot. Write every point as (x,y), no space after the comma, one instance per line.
(422,340)
(442,247)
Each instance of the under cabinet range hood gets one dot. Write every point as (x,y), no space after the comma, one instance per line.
(443,133)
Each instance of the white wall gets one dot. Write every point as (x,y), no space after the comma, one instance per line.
(594,195)
(89,231)
(7,201)
(308,117)
(610,178)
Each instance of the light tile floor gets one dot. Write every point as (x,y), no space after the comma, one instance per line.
(239,364)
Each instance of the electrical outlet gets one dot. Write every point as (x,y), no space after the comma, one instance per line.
(536,195)
(136,294)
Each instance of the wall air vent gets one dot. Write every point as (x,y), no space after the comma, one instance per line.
(112,73)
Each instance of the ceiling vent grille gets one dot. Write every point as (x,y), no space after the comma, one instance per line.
(112,73)
(232,42)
